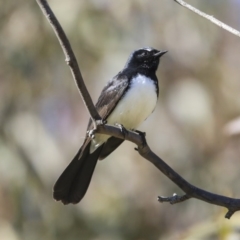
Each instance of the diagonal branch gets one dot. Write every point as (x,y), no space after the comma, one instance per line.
(210,18)
(70,59)
(191,191)
(138,138)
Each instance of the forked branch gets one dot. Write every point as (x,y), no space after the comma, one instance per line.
(139,139)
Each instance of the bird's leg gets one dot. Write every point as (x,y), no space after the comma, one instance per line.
(122,128)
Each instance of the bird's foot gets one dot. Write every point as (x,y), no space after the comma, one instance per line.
(122,128)
(143,136)
(91,133)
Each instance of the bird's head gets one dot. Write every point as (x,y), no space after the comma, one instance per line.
(146,58)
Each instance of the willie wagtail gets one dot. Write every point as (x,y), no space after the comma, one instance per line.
(128,99)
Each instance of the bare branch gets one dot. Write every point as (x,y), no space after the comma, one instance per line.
(70,59)
(138,138)
(191,191)
(210,18)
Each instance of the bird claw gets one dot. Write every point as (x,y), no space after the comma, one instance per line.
(91,133)
(143,136)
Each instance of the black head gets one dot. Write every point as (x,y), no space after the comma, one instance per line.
(145,58)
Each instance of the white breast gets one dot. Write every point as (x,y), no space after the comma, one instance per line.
(135,106)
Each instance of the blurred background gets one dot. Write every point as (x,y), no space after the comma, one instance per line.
(195,127)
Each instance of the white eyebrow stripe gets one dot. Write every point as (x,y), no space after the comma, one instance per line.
(148,49)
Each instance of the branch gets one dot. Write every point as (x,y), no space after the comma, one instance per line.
(70,60)
(191,191)
(210,18)
(138,138)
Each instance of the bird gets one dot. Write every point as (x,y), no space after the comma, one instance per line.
(127,100)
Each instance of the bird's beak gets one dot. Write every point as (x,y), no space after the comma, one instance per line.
(160,53)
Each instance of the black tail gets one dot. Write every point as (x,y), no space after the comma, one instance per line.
(74,181)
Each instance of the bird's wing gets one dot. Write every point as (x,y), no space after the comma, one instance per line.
(110,96)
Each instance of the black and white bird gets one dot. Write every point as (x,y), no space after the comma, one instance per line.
(128,99)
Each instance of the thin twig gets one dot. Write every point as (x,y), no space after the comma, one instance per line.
(191,191)
(210,18)
(70,59)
